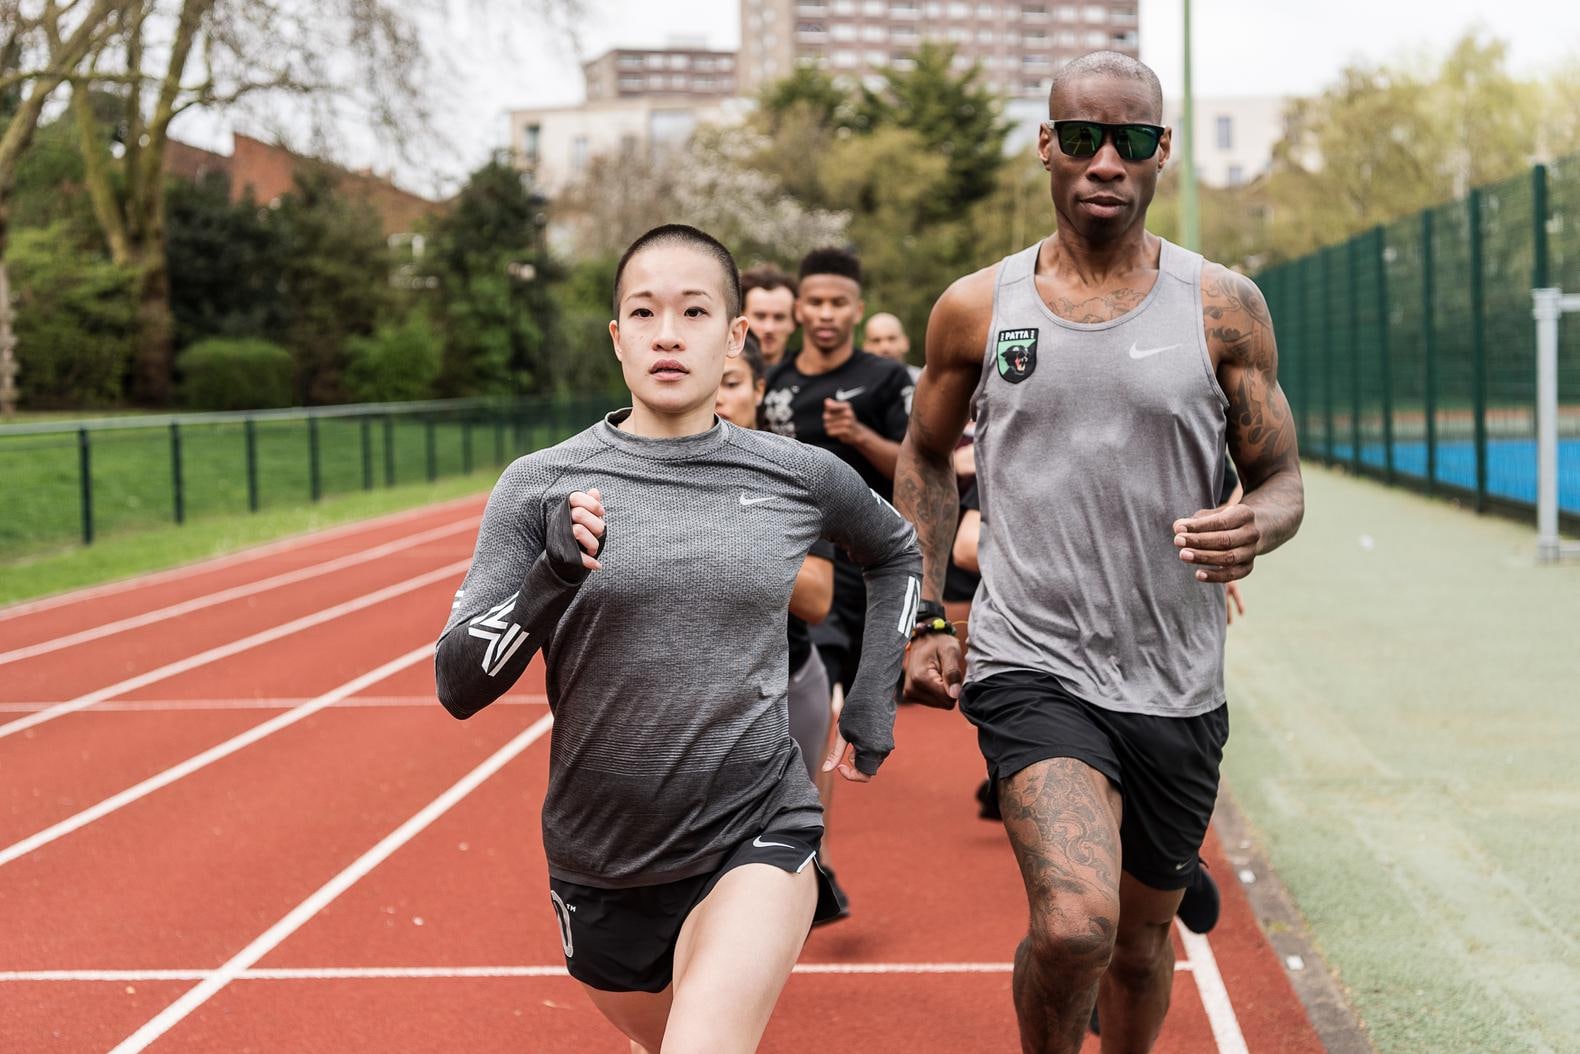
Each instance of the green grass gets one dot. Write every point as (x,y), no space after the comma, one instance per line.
(132,476)
(150,550)
(1403,695)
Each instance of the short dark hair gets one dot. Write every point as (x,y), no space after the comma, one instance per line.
(766,276)
(752,352)
(831,260)
(681,234)
(1108,64)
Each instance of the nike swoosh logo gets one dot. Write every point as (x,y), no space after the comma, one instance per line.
(1138,353)
(745,501)
(760,844)
(843,394)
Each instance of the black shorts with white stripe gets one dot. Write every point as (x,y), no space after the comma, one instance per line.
(623,940)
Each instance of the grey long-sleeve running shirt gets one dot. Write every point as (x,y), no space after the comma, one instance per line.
(667,669)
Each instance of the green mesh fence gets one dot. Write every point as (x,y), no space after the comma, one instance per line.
(1409,351)
(80,480)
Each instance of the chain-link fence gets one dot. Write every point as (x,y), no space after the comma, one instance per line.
(80,479)
(1408,352)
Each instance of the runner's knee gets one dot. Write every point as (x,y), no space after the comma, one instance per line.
(1139,953)
(1073,937)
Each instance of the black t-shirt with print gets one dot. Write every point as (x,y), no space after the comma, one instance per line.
(878,390)
(960,584)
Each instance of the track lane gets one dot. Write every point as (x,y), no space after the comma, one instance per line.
(139,652)
(30,622)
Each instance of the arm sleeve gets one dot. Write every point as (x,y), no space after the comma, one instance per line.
(883,545)
(525,573)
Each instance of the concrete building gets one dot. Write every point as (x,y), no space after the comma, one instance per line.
(555,144)
(673,72)
(1234,136)
(1019,44)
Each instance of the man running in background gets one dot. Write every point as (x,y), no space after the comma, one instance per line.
(770,309)
(854,404)
(1107,368)
(885,335)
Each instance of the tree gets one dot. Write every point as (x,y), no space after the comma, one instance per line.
(953,115)
(334,280)
(369,57)
(37,53)
(1389,140)
(487,256)
(226,260)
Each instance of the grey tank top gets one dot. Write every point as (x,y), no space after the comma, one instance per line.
(1091,440)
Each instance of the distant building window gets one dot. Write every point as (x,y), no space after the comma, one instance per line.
(1066,13)
(628,62)
(843,31)
(578,153)
(959,10)
(844,7)
(875,33)
(532,142)
(655,62)
(1225,132)
(679,62)
(1096,38)
(1096,13)
(628,144)
(1236,175)
(875,8)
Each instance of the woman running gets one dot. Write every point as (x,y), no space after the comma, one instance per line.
(678,823)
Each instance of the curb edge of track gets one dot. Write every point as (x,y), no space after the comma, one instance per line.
(1317,984)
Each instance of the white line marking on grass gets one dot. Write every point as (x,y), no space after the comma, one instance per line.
(248,589)
(28,607)
(363,973)
(224,651)
(209,756)
(368,702)
(317,901)
(1214,996)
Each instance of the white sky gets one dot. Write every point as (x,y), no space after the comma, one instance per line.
(1242,47)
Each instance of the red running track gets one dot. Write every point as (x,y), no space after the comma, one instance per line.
(249,836)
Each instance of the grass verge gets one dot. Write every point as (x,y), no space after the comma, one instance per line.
(135,552)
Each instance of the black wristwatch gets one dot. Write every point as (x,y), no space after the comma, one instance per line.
(929,609)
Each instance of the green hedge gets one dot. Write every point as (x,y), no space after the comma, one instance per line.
(221,374)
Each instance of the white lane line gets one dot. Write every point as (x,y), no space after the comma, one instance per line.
(1214,996)
(298,916)
(361,973)
(209,756)
(224,651)
(215,563)
(371,702)
(248,589)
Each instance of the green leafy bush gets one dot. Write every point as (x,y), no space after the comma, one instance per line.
(397,363)
(76,319)
(221,374)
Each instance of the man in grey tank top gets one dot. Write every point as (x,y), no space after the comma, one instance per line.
(1107,370)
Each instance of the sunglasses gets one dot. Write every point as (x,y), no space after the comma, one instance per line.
(1135,142)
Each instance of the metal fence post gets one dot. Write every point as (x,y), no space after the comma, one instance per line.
(466,445)
(1428,350)
(389,450)
(250,432)
(1540,258)
(1382,350)
(1327,356)
(367,453)
(178,498)
(1478,347)
(314,481)
(1352,261)
(85,475)
(433,449)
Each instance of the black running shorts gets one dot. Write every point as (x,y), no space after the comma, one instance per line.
(1165,768)
(623,940)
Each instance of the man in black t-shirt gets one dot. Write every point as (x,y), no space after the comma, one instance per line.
(853,404)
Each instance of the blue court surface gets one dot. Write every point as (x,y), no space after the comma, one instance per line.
(1511,465)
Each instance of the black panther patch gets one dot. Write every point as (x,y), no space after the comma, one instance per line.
(1016,354)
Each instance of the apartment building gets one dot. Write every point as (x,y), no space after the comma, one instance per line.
(670,73)
(1018,44)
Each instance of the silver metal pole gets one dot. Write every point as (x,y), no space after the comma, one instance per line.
(1547,309)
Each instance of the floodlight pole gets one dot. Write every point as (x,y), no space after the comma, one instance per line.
(1190,221)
